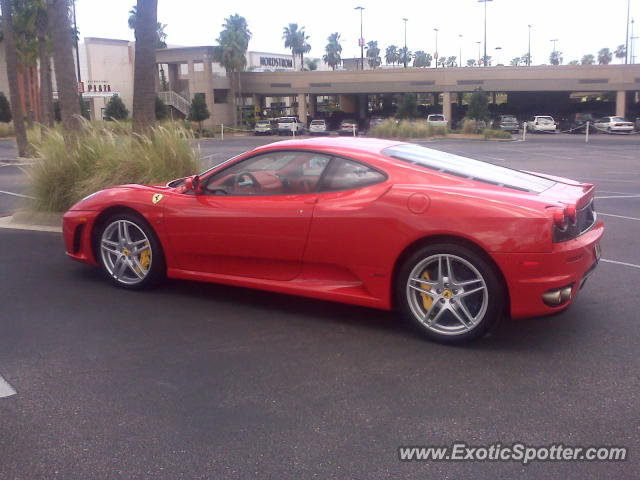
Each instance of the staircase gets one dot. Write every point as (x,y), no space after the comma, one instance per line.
(175,100)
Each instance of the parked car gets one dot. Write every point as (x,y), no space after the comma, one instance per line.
(577,123)
(374,121)
(508,123)
(614,125)
(540,123)
(348,127)
(358,221)
(290,126)
(638,123)
(437,120)
(265,127)
(318,127)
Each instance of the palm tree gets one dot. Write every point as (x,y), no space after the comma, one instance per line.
(391,55)
(404,56)
(588,59)
(515,62)
(471,62)
(373,54)
(64,65)
(620,52)
(311,63)
(605,56)
(525,59)
(12,74)
(420,59)
(46,88)
(144,76)
(162,37)
(296,40)
(231,53)
(333,49)
(442,61)
(555,58)
(24,32)
(451,62)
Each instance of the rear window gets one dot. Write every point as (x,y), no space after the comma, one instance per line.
(508,119)
(468,168)
(286,120)
(618,119)
(317,122)
(545,119)
(436,118)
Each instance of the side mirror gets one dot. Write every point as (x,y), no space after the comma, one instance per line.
(193,183)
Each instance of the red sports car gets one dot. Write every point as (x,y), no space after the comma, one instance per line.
(452,243)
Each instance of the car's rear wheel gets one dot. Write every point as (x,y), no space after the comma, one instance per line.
(451,293)
(129,252)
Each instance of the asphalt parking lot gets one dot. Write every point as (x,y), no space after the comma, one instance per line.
(204,381)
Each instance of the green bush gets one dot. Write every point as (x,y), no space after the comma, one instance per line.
(406,129)
(468,126)
(491,133)
(115,109)
(6,130)
(66,171)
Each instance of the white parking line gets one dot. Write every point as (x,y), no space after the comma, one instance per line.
(16,194)
(620,263)
(619,196)
(618,216)
(6,390)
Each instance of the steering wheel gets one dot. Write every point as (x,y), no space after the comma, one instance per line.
(241,176)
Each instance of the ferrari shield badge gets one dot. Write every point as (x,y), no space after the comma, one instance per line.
(156,198)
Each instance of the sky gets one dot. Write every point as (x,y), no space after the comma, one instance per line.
(581,26)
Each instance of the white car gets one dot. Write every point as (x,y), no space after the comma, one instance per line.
(540,123)
(613,124)
(290,126)
(318,127)
(264,127)
(437,120)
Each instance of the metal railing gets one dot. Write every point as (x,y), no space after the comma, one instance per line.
(175,100)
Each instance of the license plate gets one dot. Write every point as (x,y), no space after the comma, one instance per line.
(598,252)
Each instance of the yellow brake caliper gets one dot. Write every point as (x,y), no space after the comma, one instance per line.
(426,299)
(145,258)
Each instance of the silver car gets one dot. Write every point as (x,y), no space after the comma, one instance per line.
(614,125)
(318,127)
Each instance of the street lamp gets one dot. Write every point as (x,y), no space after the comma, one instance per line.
(529,52)
(436,55)
(497,57)
(460,50)
(405,41)
(485,29)
(479,43)
(626,48)
(361,39)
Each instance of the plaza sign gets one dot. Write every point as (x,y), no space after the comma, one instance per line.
(276,62)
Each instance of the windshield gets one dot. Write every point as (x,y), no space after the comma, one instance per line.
(618,119)
(317,122)
(468,168)
(544,120)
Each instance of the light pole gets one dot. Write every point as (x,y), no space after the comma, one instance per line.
(554,40)
(626,41)
(75,34)
(632,43)
(485,29)
(405,42)
(361,39)
(460,50)
(529,52)
(436,55)
(497,53)
(479,43)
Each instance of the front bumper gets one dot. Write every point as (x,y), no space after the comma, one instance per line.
(76,229)
(530,275)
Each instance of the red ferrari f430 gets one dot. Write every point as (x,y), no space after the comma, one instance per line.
(452,243)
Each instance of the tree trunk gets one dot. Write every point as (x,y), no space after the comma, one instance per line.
(64,65)
(232,95)
(46,95)
(26,87)
(12,74)
(144,81)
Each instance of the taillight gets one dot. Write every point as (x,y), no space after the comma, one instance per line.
(571,213)
(560,220)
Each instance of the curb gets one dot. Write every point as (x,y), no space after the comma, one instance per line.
(21,221)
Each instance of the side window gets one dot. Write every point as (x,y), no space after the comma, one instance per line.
(272,173)
(347,175)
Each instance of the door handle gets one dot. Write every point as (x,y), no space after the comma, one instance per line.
(311,201)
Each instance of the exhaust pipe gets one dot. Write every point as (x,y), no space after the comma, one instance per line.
(557,296)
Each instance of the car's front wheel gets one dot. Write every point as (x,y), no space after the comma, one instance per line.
(451,293)
(129,252)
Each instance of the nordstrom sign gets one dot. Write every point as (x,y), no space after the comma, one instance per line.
(276,62)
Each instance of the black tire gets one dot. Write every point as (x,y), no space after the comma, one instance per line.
(485,307)
(156,270)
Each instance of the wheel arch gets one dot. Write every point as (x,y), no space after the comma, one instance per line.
(453,239)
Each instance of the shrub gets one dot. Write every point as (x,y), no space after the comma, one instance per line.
(198,111)
(491,133)
(468,126)
(97,157)
(162,111)
(5,109)
(115,109)
(386,129)
(6,130)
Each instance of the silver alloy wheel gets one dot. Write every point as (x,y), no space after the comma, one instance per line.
(447,294)
(126,252)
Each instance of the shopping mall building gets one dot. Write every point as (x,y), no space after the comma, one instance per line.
(272,86)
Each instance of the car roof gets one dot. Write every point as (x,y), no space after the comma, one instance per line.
(334,144)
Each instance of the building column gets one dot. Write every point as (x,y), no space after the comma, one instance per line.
(347,103)
(208,96)
(313,105)
(362,106)
(621,103)
(302,108)
(446,106)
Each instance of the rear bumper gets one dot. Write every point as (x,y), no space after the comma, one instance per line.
(76,229)
(530,275)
